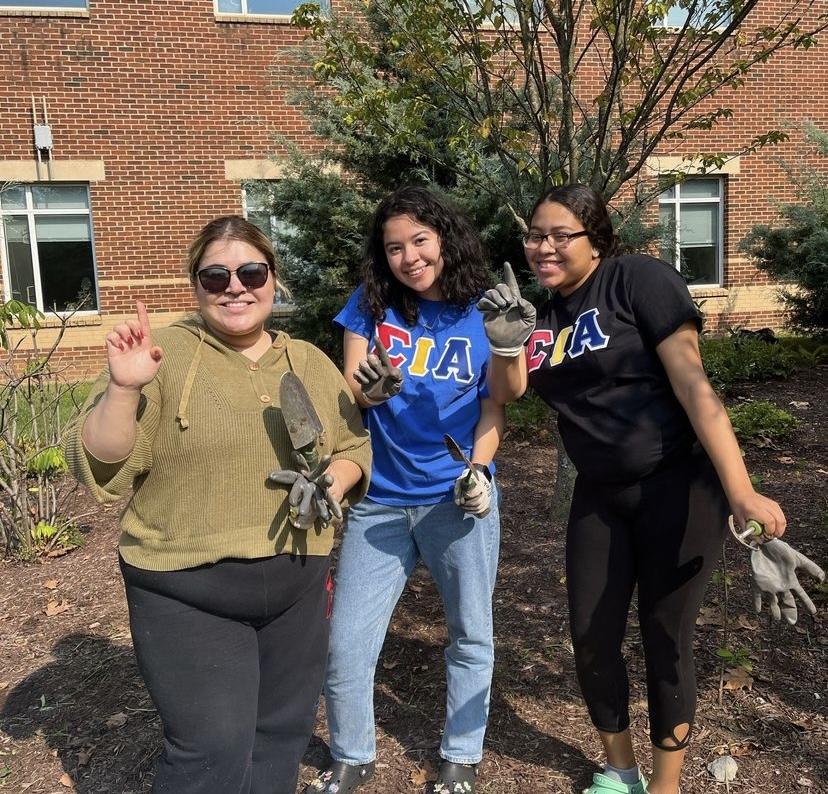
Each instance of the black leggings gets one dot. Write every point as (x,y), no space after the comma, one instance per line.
(233,655)
(663,533)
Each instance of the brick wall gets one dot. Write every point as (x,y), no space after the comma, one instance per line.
(164,94)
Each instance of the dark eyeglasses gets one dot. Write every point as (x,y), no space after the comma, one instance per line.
(216,278)
(558,239)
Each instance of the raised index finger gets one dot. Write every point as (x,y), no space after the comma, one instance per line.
(383,353)
(143,317)
(510,280)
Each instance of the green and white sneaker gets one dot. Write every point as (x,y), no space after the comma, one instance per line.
(601,784)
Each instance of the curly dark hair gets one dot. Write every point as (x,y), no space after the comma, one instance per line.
(464,276)
(589,208)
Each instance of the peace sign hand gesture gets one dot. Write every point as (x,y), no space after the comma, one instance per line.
(508,318)
(133,359)
(378,379)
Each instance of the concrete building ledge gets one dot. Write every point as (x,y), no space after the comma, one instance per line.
(261,19)
(62,171)
(659,164)
(242,170)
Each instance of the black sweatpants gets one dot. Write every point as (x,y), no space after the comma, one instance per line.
(233,655)
(663,533)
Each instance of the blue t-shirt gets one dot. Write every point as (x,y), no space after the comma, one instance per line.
(443,359)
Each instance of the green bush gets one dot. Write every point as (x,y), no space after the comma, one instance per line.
(745,358)
(761,421)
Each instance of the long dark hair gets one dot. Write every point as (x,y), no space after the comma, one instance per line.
(588,206)
(464,276)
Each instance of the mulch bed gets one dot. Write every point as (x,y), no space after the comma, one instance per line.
(76,716)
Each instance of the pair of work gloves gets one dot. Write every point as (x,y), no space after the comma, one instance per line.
(379,381)
(309,498)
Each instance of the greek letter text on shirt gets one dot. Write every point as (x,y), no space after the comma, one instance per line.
(453,361)
(573,340)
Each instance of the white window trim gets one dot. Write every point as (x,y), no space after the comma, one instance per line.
(30,11)
(278,19)
(676,202)
(30,213)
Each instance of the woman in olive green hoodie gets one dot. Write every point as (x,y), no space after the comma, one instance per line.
(228,592)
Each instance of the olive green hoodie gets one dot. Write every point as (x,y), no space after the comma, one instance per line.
(210,429)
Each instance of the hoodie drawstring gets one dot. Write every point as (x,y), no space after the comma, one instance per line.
(181,416)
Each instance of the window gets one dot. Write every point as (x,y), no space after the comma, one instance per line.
(255,205)
(47,245)
(275,8)
(707,15)
(45,4)
(694,209)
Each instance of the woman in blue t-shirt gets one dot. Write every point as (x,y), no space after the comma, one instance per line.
(416,358)
(615,352)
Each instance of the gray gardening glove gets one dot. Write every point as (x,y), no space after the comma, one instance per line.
(507,318)
(309,497)
(773,567)
(473,491)
(378,379)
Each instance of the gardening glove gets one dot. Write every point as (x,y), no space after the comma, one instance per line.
(378,380)
(309,497)
(508,318)
(473,490)
(773,567)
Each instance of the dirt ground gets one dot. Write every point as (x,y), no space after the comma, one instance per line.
(76,716)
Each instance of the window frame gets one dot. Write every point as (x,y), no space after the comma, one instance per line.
(668,27)
(676,202)
(31,213)
(8,8)
(288,304)
(247,16)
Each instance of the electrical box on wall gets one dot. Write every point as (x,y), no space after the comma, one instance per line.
(43,137)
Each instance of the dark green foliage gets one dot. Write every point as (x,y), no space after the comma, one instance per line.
(733,358)
(796,249)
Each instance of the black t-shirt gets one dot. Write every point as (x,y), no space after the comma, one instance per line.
(592,358)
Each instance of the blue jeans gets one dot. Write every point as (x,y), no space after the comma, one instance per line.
(381,547)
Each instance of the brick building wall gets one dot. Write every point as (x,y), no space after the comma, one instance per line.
(163,108)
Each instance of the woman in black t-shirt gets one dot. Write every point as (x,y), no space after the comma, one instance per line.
(615,352)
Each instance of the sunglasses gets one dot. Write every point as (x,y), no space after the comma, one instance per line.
(216,278)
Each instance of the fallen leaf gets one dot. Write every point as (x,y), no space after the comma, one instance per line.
(116,720)
(389,665)
(746,623)
(419,777)
(737,678)
(51,584)
(84,756)
(56,607)
(788,461)
(804,781)
(66,780)
(709,616)
(801,404)
(745,748)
